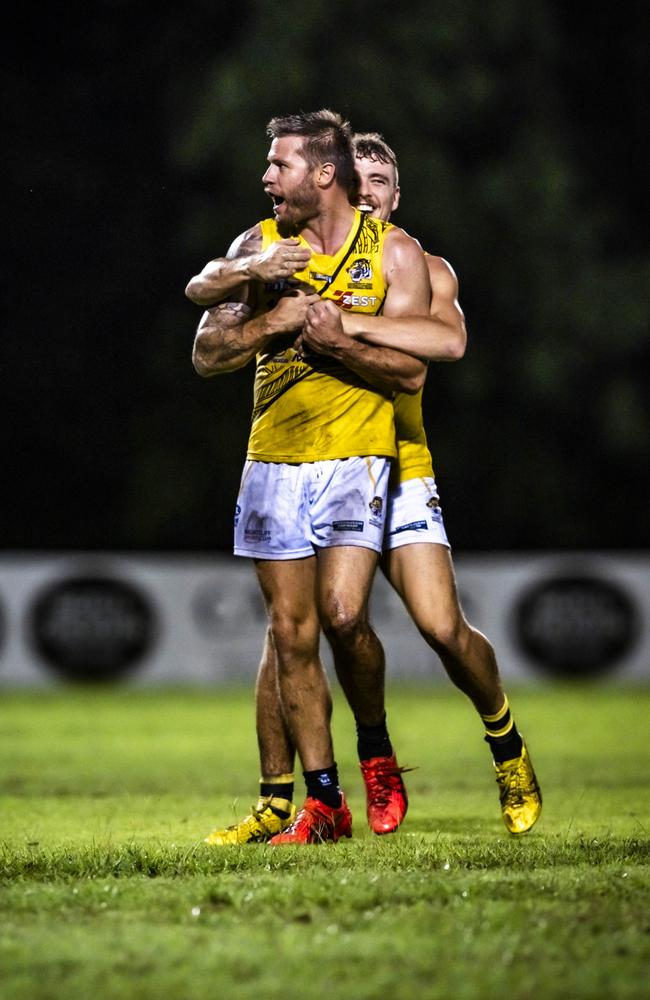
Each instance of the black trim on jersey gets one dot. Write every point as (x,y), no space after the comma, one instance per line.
(330,280)
(258,411)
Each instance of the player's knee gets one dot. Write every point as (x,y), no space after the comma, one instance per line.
(446,633)
(293,639)
(343,623)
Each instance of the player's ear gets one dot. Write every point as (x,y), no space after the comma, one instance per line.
(396,198)
(326,174)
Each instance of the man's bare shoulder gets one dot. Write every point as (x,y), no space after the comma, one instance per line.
(439,267)
(246,243)
(442,276)
(402,248)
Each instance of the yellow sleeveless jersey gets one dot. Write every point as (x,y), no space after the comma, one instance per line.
(413,455)
(308,409)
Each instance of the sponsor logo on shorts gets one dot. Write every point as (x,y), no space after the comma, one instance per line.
(347,525)
(434,506)
(237,513)
(256,530)
(412,526)
(377,508)
(257,535)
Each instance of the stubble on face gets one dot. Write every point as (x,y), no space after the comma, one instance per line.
(301,205)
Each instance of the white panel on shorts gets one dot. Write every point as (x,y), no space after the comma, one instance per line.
(414,514)
(286,511)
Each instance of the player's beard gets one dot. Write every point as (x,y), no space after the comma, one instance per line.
(300,207)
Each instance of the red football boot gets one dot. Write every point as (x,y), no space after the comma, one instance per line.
(386,796)
(316,823)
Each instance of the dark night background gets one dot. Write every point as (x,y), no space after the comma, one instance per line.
(134,147)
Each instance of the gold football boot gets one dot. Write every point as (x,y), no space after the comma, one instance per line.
(260,826)
(520,795)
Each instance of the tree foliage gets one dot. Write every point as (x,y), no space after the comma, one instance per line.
(516,166)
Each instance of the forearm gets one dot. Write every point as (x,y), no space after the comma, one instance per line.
(430,338)
(227,340)
(218,279)
(383,368)
(246,261)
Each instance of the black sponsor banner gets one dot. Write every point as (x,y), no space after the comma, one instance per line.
(576,625)
(176,619)
(92,628)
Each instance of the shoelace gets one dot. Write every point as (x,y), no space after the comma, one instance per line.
(308,819)
(311,819)
(382,781)
(514,785)
(255,815)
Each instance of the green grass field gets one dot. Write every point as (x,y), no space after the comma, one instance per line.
(107,890)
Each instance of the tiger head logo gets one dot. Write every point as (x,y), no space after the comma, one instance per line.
(360,270)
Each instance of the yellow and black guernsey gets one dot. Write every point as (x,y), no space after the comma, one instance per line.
(413,455)
(313,408)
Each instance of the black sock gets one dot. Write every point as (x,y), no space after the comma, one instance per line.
(502,735)
(324,785)
(373,741)
(278,786)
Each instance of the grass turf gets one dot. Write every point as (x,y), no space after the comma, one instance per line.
(107,889)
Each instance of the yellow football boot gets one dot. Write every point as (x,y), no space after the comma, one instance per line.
(520,795)
(260,826)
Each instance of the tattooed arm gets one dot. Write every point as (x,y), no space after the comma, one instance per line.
(228,339)
(246,261)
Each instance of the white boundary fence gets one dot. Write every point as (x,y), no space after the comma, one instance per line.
(184,619)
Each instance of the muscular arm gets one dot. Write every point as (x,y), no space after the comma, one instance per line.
(386,369)
(408,294)
(227,339)
(246,261)
(439,336)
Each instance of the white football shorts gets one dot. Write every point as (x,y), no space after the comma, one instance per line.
(287,511)
(413,514)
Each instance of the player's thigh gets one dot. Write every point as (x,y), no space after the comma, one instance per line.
(345,575)
(423,575)
(289,591)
